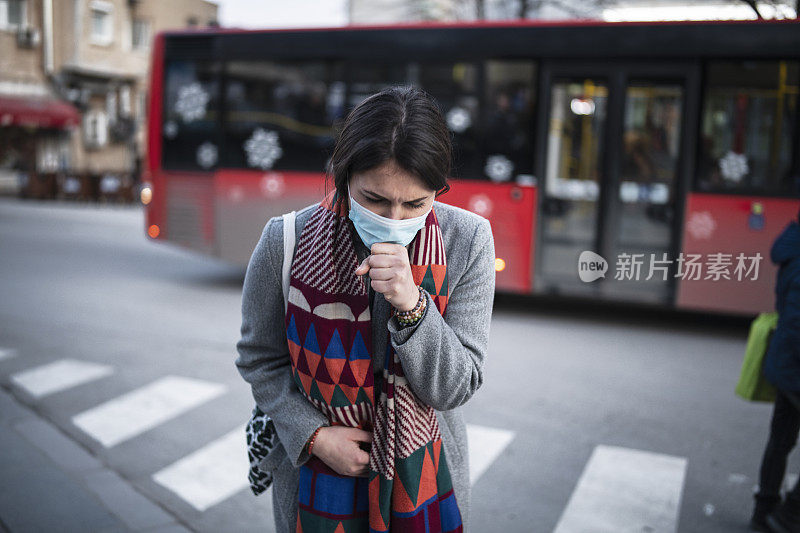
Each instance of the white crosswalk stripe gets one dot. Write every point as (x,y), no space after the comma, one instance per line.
(217,471)
(485,445)
(789,482)
(59,375)
(7,353)
(211,474)
(145,408)
(622,489)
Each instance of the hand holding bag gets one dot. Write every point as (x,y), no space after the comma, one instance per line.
(262,439)
(752,385)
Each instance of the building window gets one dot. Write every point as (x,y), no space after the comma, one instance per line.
(102,23)
(95,128)
(52,154)
(12,14)
(141,34)
(111,106)
(125,101)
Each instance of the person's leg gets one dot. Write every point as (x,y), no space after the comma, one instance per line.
(786,517)
(782,438)
(794,398)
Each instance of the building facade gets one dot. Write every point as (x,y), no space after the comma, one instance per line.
(73,87)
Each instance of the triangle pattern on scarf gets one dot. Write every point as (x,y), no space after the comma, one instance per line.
(335,367)
(362,396)
(443,472)
(401,500)
(428,282)
(322,374)
(326,390)
(359,349)
(439,273)
(427,482)
(294,349)
(302,363)
(312,362)
(410,473)
(379,490)
(311,341)
(339,399)
(350,392)
(315,392)
(359,369)
(346,377)
(305,382)
(291,331)
(335,350)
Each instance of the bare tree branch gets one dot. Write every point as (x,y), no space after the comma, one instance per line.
(523,9)
(752,4)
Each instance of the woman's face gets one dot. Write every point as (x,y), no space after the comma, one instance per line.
(391,192)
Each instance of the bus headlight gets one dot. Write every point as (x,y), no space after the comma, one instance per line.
(146,194)
(499,264)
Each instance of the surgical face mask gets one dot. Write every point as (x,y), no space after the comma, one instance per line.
(373,228)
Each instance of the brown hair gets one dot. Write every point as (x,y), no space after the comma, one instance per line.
(400,122)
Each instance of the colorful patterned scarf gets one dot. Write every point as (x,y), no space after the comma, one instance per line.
(328,327)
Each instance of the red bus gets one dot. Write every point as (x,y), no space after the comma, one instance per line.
(638,162)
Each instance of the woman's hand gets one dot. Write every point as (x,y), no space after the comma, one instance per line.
(390,275)
(338,448)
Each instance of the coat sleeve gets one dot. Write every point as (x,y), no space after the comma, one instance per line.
(443,358)
(263,359)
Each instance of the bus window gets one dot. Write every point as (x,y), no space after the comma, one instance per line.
(280,115)
(190,125)
(747,127)
(368,79)
(508,112)
(455,88)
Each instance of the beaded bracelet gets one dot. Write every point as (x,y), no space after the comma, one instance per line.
(311,440)
(412,316)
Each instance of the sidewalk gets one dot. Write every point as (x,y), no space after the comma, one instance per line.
(50,483)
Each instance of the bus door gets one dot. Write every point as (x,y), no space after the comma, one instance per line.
(612,160)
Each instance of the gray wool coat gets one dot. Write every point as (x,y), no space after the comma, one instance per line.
(442,358)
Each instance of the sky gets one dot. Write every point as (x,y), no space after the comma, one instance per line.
(281,13)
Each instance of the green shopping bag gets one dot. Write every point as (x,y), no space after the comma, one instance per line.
(752,385)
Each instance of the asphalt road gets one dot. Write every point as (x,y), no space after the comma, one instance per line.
(586,412)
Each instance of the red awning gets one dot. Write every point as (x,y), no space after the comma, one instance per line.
(37,112)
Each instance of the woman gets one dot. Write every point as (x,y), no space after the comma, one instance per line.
(385,334)
(782,369)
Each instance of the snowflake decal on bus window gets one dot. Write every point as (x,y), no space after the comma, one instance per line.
(481,204)
(207,155)
(734,166)
(701,225)
(170,129)
(263,148)
(192,102)
(498,168)
(458,119)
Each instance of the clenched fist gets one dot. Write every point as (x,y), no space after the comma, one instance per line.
(390,275)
